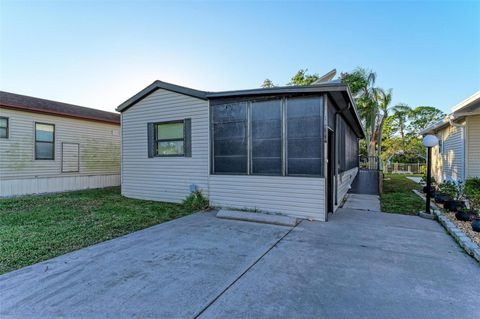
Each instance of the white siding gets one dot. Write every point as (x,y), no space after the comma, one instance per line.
(453,153)
(473,146)
(99,153)
(296,196)
(164,178)
(345,181)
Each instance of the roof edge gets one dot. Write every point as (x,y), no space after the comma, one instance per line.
(160,85)
(64,114)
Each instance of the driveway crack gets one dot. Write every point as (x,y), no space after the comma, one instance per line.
(243,273)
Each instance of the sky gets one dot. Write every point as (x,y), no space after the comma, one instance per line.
(100,53)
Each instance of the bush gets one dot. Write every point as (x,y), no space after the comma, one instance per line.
(449,188)
(472,193)
(424,180)
(196,201)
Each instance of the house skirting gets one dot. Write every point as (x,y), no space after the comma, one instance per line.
(53,184)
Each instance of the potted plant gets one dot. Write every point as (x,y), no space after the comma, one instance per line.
(472,193)
(454,191)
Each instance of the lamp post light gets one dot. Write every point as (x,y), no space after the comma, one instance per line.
(429,141)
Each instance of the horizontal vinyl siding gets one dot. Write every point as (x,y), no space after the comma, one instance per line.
(164,178)
(295,196)
(345,181)
(473,144)
(99,146)
(453,153)
(24,186)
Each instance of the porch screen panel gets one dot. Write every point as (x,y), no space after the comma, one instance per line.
(229,122)
(348,147)
(305,136)
(267,137)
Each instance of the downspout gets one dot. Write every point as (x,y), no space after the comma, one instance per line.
(337,114)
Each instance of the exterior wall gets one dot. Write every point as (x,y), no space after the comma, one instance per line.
(20,173)
(164,178)
(296,196)
(453,153)
(344,181)
(472,149)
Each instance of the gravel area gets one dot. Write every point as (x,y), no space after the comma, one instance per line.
(466,227)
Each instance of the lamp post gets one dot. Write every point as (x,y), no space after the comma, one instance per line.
(429,141)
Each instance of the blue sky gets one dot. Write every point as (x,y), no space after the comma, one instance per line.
(99,53)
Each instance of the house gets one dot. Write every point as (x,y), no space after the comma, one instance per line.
(457,156)
(269,149)
(48,146)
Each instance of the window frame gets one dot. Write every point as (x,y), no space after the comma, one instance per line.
(7,127)
(156,140)
(53,142)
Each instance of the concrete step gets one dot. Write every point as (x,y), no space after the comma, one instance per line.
(258,217)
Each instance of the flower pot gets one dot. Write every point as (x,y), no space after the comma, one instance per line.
(464,215)
(442,198)
(476,224)
(454,205)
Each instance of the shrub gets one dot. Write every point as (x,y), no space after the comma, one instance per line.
(449,188)
(196,201)
(424,180)
(472,193)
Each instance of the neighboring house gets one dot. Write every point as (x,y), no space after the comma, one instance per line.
(260,149)
(48,146)
(457,156)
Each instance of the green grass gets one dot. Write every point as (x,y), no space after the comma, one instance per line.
(36,228)
(398,197)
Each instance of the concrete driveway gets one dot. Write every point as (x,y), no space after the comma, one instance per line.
(358,265)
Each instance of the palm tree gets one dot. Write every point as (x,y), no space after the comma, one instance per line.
(384,99)
(402,112)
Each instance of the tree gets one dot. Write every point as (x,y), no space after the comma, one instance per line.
(267,83)
(302,78)
(362,84)
(401,113)
(422,117)
(384,98)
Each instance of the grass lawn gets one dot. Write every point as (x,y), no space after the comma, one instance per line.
(398,197)
(36,228)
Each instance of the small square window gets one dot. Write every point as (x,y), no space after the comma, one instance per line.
(3,127)
(169,139)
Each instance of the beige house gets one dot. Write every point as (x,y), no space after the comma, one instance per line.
(457,157)
(48,146)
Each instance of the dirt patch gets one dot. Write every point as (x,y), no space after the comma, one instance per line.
(465,227)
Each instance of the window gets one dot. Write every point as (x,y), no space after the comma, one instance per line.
(3,127)
(44,141)
(267,137)
(230,138)
(169,138)
(304,136)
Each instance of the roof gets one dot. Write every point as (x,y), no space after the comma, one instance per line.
(33,104)
(469,106)
(337,89)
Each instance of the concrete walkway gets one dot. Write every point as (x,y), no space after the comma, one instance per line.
(362,202)
(359,265)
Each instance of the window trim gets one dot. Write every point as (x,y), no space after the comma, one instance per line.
(7,127)
(156,141)
(53,142)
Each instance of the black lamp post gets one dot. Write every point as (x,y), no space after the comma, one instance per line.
(429,141)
